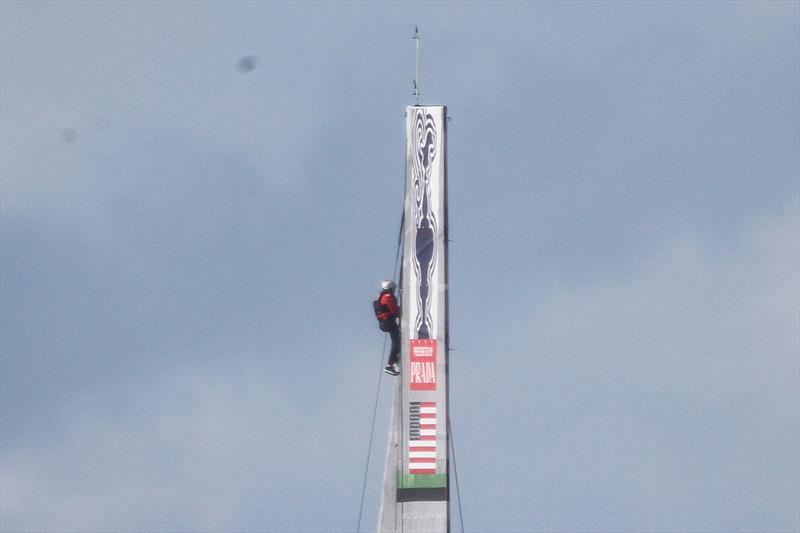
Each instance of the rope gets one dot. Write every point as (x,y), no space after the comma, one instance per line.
(455,470)
(371,438)
(398,258)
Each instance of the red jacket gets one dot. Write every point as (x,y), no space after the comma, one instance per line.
(387,299)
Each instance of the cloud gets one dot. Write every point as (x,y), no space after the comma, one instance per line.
(622,392)
(236,446)
(179,89)
(662,400)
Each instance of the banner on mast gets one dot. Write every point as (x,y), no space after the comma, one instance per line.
(424,471)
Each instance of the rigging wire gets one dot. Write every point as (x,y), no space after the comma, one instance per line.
(371,437)
(455,470)
(398,258)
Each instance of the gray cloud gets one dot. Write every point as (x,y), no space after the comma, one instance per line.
(195,269)
(222,448)
(676,386)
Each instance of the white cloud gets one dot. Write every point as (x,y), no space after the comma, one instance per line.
(665,400)
(226,448)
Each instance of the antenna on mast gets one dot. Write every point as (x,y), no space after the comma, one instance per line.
(416,78)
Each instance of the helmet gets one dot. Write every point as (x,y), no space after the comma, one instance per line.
(388,285)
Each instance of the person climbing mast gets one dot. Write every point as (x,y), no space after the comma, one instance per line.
(387,312)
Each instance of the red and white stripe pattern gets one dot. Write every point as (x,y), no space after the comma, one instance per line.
(422,438)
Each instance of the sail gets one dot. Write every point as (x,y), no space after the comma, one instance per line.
(415,496)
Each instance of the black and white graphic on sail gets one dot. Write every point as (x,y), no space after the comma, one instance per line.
(424,257)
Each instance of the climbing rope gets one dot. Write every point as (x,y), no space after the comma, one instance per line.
(371,438)
(398,258)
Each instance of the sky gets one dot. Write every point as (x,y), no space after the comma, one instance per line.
(190,245)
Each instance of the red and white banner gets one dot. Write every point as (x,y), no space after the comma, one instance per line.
(422,364)
(422,438)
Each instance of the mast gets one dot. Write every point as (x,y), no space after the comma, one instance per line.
(416,76)
(415,496)
(416,482)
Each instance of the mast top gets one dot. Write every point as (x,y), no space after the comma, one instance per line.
(416,78)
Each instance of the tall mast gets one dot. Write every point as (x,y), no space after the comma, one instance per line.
(416,495)
(416,76)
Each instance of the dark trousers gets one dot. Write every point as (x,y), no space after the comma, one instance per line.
(390,326)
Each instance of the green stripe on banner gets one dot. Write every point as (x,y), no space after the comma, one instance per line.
(422,481)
